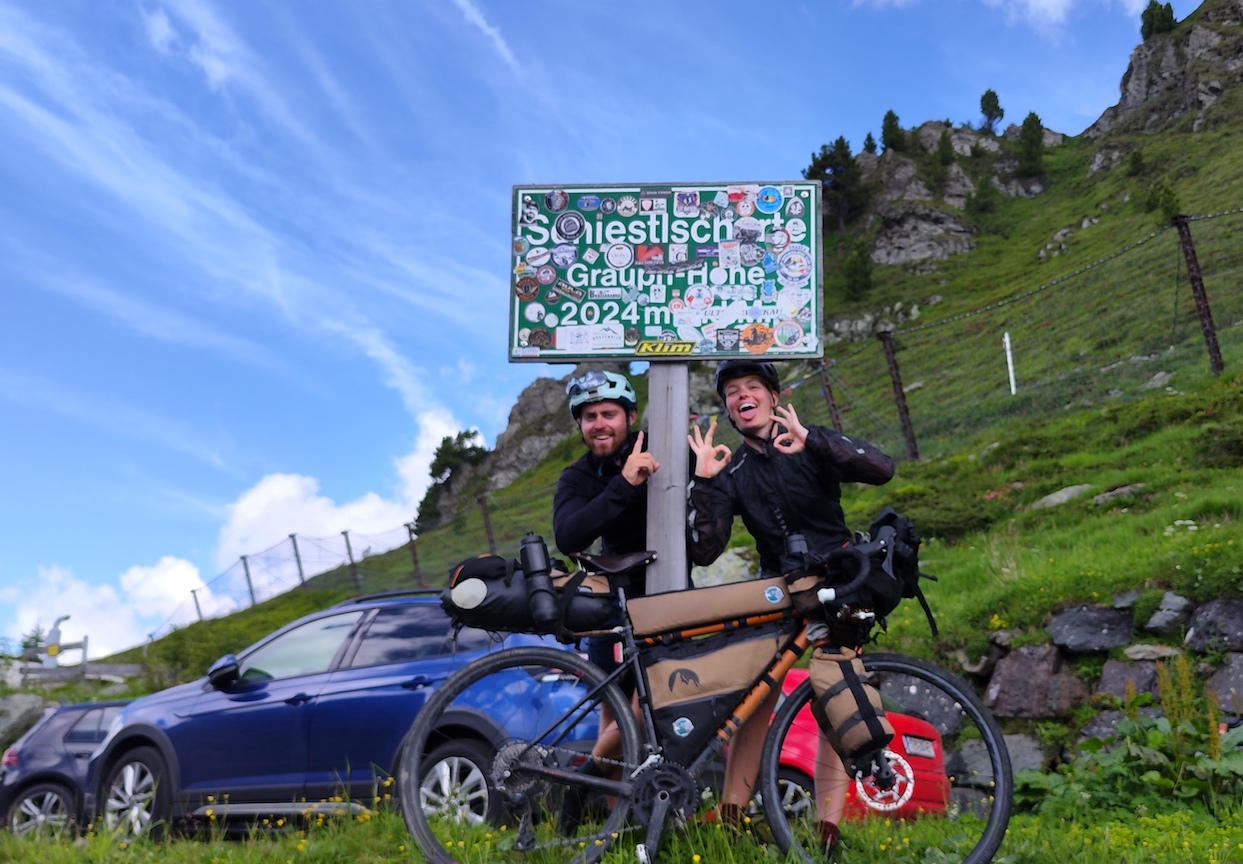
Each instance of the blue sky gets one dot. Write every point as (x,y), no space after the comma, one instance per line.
(254,255)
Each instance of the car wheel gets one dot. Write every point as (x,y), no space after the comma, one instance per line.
(45,809)
(455,783)
(136,797)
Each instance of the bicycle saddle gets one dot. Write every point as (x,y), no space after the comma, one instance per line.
(613,565)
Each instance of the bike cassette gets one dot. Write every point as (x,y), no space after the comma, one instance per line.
(508,771)
(665,790)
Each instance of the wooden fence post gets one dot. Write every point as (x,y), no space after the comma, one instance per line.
(1197,290)
(827,390)
(886,340)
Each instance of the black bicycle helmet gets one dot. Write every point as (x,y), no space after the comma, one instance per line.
(728,370)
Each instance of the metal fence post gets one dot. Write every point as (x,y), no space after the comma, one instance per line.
(414,554)
(886,340)
(487,523)
(249,585)
(1197,290)
(293,538)
(349,553)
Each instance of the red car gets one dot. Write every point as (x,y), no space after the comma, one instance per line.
(916,755)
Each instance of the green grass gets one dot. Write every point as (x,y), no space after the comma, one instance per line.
(1186,837)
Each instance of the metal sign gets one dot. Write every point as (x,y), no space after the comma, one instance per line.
(665,272)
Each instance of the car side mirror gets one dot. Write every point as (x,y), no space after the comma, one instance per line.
(224,672)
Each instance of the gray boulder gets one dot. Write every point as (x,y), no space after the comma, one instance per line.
(1090,629)
(1217,624)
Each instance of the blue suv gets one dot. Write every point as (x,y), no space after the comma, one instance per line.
(312,719)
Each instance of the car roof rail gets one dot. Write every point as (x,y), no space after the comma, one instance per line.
(384,595)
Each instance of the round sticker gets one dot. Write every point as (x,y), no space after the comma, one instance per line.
(619,256)
(540,338)
(699,297)
(769,199)
(631,336)
(550,320)
(538,256)
(627,206)
(556,200)
(564,254)
(779,239)
(534,313)
(757,337)
(526,288)
(524,334)
(608,205)
(787,334)
(521,244)
(546,275)
(570,225)
(794,265)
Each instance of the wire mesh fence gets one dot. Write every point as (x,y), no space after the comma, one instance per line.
(1122,327)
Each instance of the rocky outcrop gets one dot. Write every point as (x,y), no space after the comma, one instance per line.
(919,233)
(18,713)
(1173,80)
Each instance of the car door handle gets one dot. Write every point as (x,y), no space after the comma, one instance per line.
(299,699)
(418,682)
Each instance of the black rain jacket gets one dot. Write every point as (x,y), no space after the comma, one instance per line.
(594,501)
(778,494)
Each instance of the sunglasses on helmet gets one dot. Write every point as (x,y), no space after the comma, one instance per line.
(593,380)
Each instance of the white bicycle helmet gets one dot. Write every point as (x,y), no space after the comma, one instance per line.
(598,386)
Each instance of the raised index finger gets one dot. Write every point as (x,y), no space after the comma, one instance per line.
(638,442)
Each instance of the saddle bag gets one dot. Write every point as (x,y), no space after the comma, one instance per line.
(847,708)
(492,593)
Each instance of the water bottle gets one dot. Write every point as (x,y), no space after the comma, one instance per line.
(537,568)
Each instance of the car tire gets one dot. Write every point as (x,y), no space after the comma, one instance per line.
(456,778)
(43,810)
(135,797)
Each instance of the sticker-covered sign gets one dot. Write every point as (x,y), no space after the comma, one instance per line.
(665,272)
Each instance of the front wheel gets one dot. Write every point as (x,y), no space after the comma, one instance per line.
(951,794)
(544,705)
(136,798)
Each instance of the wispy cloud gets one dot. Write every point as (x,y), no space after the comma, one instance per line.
(475,18)
(111,415)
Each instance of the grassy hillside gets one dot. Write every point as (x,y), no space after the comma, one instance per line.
(1104,310)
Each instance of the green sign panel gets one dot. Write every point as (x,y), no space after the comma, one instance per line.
(665,272)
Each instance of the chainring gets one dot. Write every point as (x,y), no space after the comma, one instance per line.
(672,782)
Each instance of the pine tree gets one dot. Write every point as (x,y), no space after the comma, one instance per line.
(1156,18)
(844,192)
(1031,146)
(857,271)
(869,144)
(945,148)
(891,135)
(990,107)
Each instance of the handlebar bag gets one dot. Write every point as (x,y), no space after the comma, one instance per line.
(491,593)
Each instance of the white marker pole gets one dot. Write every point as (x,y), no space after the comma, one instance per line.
(1009,360)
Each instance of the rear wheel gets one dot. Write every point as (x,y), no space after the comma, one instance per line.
(45,810)
(952,796)
(136,797)
(541,796)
